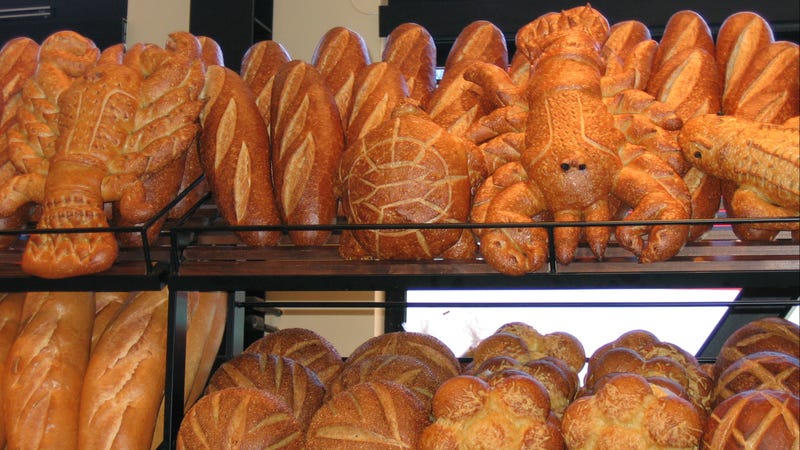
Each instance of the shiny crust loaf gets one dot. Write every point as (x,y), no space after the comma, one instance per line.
(339,56)
(411,49)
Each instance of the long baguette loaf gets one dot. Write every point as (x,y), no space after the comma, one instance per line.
(235,154)
(107,306)
(308,141)
(45,370)
(124,381)
(206,314)
(10,313)
(410,48)
(339,55)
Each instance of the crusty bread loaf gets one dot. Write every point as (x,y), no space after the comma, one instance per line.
(770,92)
(628,52)
(706,194)
(689,83)
(10,314)
(107,306)
(511,410)
(206,317)
(297,385)
(259,65)
(17,64)
(240,417)
(45,370)
(378,415)
(481,40)
(308,140)
(235,154)
(339,56)
(754,419)
(305,346)
(772,334)
(425,347)
(403,369)
(410,48)
(457,103)
(629,412)
(759,371)
(685,29)
(124,382)
(741,37)
(379,88)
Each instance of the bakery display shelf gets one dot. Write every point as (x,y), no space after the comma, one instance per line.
(136,268)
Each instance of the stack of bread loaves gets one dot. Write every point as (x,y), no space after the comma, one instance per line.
(87,370)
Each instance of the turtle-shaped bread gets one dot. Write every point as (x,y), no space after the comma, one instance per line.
(407,170)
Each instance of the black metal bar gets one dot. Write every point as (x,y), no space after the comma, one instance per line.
(394,318)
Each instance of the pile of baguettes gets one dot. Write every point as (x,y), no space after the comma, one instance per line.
(83,370)
(519,390)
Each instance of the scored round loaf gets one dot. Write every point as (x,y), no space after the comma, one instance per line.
(305,346)
(402,369)
(375,415)
(297,385)
(754,419)
(759,371)
(773,334)
(240,417)
(425,347)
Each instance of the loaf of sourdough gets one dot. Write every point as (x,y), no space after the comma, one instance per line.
(339,56)
(240,417)
(759,371)
(10,314)
(305,346)
(124,382)
(377,415)
(235,154)
(772,334)
(259,65)
(308,140)
(754,419)
(297,385)
(411,49)
(481,40)
(45,369)
(424,347)
(378,89)
(685,29)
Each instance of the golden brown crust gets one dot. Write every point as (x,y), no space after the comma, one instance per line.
(240,417)
(297,385)
(124,382)
(304,346)
(768,334)
(481,40)
(689,83)
(340,54)
(308,140)
(759,371)
(754,419)
(686,29)
(10,315)
(45,370)
(206,316)
(411,49)
(741,37)
(426,348)
(379,88)
(235,154)
(259,65)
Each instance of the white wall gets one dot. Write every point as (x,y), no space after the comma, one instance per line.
(151,21)
(300,24)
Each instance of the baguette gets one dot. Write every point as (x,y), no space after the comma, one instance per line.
(206,315)
(741,37)
(235,155)
(10,313)
(308,141)
(107,306)
(685,30)
(45,369)
(124,381)
(410,48)
(339,55)
(689,83)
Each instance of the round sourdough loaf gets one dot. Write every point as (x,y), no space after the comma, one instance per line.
(305,346)
(296,384)
(755,419)
(426,348)
(402,369)
(772,334)
(240,418)
(759,371)
(376,415)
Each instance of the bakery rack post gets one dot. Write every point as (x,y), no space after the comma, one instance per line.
(207,256)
